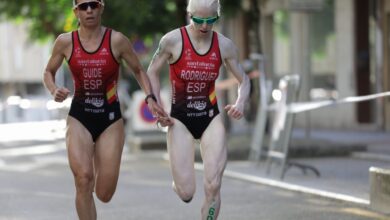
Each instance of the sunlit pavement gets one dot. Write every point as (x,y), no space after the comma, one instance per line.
(36,183)
(32,131)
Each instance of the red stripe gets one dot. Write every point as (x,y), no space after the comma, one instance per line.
(112,99)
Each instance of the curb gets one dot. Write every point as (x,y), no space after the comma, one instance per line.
(239,147)
(291,187)
(371,156)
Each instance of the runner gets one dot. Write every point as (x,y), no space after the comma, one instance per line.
(195,53)
(95,130)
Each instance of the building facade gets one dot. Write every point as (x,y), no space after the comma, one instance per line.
(22,97)
(339,48)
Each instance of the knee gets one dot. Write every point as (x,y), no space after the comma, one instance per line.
(84,182)
(186,195)
(104,196)
(185,192)
(212,187)
(105,191)
(105,188)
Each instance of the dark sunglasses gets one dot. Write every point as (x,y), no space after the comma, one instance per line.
(84,6)
(210,20)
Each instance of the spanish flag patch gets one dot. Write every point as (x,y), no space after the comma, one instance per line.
(111,93)
(213,98)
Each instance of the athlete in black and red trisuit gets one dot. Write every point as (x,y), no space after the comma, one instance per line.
(193,76)
(95,130)
(195,53)
(95,74)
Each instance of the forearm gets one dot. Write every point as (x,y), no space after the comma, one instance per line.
(49,81)
(155,83)
(243,90)
(144,82)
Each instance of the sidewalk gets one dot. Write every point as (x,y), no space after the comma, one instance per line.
(344,170)
(343,158)
(14,134)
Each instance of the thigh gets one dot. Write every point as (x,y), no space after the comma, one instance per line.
(213,148)
(181,153)
(80,147)
(108,151)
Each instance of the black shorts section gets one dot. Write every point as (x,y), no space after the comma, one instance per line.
(196,125)
(96,120)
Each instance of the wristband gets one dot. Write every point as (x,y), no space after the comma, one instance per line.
(150,96)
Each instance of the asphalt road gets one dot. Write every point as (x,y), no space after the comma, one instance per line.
(36,183)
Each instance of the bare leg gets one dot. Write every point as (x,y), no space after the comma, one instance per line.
(181,157)
(214,155)
(80,154)
(108,153)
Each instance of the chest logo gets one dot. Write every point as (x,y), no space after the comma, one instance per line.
(187,54)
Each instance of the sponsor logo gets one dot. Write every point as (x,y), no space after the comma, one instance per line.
(200,114)
(201,65)
(196,97)
(95,111)
(173,92)
(198,105)
(77,52)
(91,62)
(111,116)
(93,94)
(97,102)
(211,113)
(213,56)
(187,53)
(103,52)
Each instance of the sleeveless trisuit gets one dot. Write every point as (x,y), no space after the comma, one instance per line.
(95,74)
(193,76)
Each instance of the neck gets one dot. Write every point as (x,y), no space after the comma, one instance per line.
(196,35)
(90,32)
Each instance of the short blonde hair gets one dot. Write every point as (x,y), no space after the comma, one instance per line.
(193,5)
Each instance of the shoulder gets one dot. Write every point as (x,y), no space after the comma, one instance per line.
(120,44)
(226,46)
(117,37)
(171,38)
(63,43)
(64,39)
(223,40)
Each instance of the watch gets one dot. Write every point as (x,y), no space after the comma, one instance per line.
(152,96)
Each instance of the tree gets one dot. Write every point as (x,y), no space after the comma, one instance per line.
(45,18)
(49,18)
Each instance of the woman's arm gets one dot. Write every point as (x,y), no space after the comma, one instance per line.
(58,54)
(125,51)
(230,56)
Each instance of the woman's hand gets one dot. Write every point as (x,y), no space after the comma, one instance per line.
(60,94)
(158,112)
(234,111)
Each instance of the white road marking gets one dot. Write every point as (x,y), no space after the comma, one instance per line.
(291,187)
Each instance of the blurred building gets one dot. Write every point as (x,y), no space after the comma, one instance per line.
(22,97)
(340,49)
